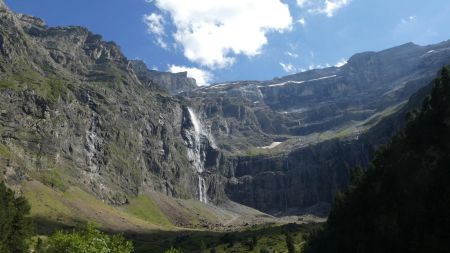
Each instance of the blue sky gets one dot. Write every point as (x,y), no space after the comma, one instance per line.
(225,40)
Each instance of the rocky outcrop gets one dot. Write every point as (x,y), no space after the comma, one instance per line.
(294,181)
(327,122)
(174,83)
(305,180)
(76,111)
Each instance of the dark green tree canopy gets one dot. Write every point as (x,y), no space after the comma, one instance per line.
(401,204)
(15,225)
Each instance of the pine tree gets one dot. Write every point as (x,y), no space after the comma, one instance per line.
(15,225)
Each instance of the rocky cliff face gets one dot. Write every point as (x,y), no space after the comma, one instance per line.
(173,83)
(289,143)
(74,110)
(324,99)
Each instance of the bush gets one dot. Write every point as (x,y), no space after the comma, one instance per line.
(290,243)
(173,250)
(88,240)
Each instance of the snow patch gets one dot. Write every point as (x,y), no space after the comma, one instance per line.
(271,146)
(298,82)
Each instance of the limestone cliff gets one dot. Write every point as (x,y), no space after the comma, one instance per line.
(76,111)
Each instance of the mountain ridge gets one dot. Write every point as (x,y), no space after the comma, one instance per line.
(79,113)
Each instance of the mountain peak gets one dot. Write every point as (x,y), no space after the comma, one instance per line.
(3,5)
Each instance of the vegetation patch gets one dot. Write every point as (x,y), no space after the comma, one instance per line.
(53,179)
(5,152)
(8,84)
(143,207)
(271,239)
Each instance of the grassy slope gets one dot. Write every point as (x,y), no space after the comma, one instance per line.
(52,209)
(149,223)
(68,205)
(145,208)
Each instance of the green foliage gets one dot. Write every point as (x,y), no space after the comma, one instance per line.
(401,204)
(290,243)
(5,153)
(49,88)
(253,239)
(87,240)
(173,250)
(53,179)
(15,225)
(7,84)
(54,89)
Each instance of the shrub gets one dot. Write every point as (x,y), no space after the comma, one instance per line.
(87,240)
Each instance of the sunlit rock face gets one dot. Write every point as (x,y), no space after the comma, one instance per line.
(74,106)
(320,120)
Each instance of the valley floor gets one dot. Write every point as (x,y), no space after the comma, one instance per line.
(156,222)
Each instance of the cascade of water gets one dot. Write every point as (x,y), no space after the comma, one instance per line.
(197,154)
(91,140)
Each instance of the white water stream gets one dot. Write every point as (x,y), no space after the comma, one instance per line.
(197,155)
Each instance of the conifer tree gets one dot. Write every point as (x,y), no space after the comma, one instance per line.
(15,225)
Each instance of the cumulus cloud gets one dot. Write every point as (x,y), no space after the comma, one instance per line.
(213,32)
(201,76)
(155,23)
(331,6)
(155,26)
(327,7)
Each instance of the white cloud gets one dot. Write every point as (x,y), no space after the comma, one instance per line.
(201,76)
(302,3)
(328,7)
(331,6)
(302,22)
(410,19)
(341,63)
(291,54)
(318,66)
(213,32)
(288,67)
(155,25)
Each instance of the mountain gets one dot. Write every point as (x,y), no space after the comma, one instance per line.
(400,204)
(76,107)
(290,143)
(86,134)
(320,100)
(80,123)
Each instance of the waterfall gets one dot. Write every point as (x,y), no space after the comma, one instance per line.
(92,141)
(197,154)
